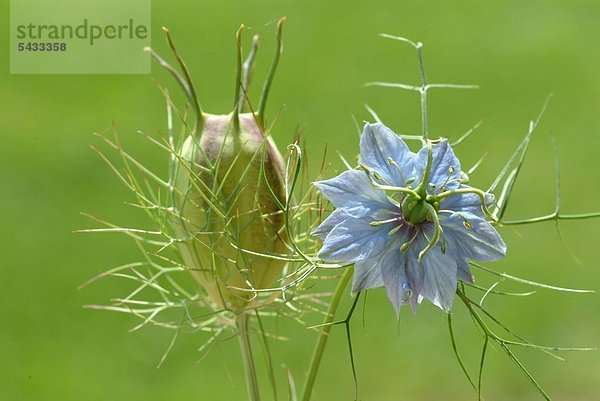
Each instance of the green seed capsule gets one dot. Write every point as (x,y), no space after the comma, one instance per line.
(229,219)
(228,188)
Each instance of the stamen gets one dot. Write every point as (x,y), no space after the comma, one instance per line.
(378,223)
(448,180)
(405,246)
(462,180)
(391,162)
(379,177)
(395,229)
(374,173)
(390,188)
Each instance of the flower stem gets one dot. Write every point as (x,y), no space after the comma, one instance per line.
(324,335)
(247,357)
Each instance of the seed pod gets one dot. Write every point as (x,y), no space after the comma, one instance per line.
(227,220)
(228,217)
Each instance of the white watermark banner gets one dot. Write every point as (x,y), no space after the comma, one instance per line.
(79,36)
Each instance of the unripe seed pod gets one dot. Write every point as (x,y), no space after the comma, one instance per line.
(227,192)
(228,220)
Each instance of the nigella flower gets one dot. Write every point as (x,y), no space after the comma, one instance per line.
(407,221)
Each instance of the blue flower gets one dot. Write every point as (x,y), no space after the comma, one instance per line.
(407,221)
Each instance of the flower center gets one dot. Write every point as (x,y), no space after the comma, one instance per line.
(418,210)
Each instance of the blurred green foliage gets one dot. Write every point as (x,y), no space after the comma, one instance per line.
(518,51)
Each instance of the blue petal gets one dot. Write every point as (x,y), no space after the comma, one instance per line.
(378,143)
(464,272)
(439,283)
(466,202)
(435,277)
(335,218)
(414,270)
(479,242)
(354,239)
(395,279)
(353,191)
(443,162)
(367,275)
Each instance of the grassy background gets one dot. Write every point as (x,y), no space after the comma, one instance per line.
(518,51)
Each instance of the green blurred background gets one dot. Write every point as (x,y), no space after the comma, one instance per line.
(518,51)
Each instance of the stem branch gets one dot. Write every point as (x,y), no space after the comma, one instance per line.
(324,335)
(248,358)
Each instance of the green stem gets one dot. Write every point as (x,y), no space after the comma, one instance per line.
(248,358)
(553,216)
(423,91)
(324,335)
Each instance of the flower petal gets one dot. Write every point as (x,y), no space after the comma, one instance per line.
(395,279)
(335,218)
(414,270)
(439,283)
(464,272)
(444,165)
(479,242)
(378,143)
(354,239)
(367,275)
(353,191)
